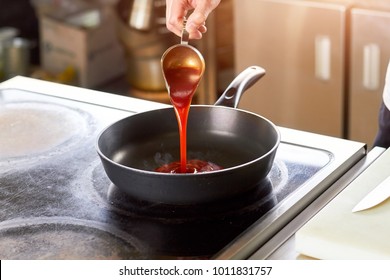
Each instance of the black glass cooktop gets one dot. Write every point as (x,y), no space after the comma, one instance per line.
(57,202)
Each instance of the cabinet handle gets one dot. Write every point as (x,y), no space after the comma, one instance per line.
(371,66)
(322,57)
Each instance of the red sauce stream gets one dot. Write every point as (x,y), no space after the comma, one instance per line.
(182,84)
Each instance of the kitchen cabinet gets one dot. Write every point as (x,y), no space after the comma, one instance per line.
(301,45)
(370,53)
(325,63)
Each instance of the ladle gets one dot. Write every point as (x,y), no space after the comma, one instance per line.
(183,67)
(182,56)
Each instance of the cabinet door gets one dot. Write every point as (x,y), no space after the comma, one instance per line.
(370,54)
(301,45)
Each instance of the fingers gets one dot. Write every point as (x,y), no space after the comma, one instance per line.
(196,32)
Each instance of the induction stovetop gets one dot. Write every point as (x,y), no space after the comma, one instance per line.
(57,202)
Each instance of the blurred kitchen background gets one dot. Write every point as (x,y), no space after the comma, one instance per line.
(325,59)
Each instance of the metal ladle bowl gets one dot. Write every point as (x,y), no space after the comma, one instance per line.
(182,55)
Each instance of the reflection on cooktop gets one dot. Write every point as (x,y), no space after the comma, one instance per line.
(35,129)
(65,238)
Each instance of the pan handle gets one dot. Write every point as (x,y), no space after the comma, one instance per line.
(247,78)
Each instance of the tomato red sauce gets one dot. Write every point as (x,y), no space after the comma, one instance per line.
(192,166)
(182,83)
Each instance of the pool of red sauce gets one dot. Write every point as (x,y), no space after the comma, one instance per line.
(182,83)
(192,166)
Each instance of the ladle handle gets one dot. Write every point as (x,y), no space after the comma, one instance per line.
(185,36)
(247,78)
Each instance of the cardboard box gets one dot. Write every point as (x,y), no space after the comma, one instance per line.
(93,49)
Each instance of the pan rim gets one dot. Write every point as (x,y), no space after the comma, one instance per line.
(203,174)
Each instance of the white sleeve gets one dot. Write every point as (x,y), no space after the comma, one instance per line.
(386,90)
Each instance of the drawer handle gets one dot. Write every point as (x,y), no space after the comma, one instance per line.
(371,66)
(322,57)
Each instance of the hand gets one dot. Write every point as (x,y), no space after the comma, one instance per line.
(176,10)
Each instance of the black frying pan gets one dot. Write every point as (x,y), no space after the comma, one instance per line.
(243,143)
